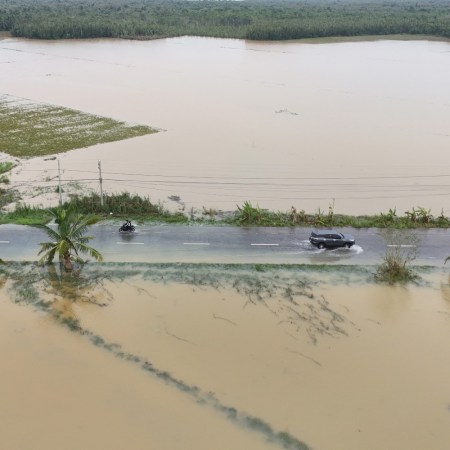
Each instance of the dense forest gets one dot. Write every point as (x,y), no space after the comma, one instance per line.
(248,19)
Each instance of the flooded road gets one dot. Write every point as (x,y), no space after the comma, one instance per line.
(235,245)
(224,357)
(358,126)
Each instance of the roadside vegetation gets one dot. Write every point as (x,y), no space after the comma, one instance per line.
(401,251)
(250,19)
(417,217)
(127,206)
(115,207)
(31,129)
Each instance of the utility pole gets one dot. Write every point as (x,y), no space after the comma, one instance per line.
(59,184)
(101,185)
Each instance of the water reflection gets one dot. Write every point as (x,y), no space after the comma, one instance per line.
(128,236)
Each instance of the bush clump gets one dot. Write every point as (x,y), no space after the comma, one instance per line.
(401,251)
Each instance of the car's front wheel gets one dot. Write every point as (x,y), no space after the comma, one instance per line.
(321,245)
(349,245)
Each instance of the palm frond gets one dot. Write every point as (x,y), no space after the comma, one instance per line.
(51,233)
(69,238)
(82,248)
(48,251)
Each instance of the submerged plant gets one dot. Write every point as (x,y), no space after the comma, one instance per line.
(401,251)
(6,166)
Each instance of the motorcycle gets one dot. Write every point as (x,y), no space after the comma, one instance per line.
(126,227)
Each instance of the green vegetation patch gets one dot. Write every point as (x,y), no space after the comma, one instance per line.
(29,129)
(6,167)
(22,214)
(250,19)
(115,206)
(6,195)
(124,205)
(418,217)
(401,251)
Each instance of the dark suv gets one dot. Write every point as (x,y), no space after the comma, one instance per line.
(330,239)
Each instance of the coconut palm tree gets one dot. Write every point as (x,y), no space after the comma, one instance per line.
(68,239)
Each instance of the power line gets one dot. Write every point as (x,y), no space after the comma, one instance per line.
(371,177)
(240,184)
(343,188)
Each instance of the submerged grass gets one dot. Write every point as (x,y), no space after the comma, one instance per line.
(7,195)
(29,129)
(6,166)
(286,291)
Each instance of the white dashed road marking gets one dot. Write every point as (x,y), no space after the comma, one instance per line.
(402,245)
(4,242)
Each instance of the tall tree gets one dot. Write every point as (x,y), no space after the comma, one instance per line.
(68,239)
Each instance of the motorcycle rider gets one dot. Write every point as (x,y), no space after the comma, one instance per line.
(127,225)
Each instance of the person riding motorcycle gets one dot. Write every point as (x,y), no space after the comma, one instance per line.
(127,226)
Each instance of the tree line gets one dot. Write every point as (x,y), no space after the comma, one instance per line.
(249,19)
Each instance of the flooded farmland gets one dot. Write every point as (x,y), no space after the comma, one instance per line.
(360,125)
(150,356)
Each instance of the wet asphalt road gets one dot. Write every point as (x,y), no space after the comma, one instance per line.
(224,244)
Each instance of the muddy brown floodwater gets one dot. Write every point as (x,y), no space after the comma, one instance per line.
(363,126)
(200,358)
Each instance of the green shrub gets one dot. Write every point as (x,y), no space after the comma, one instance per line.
(401,251)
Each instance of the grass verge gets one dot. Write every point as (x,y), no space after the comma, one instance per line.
(128,206)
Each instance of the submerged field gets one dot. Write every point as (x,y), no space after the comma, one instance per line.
(222,356)
(29,129)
